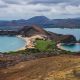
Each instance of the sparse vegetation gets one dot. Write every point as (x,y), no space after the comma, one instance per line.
(51,68)
(45,45)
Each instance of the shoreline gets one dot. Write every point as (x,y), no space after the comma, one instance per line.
(62,48)
(23,47)
(25,40)
(29,41)
(59,46)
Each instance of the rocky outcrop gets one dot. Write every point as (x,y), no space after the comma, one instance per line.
(32,30)
(68,39)
(61,38)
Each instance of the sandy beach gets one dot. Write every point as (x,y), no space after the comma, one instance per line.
(59,46)
(24,47)
(29,41)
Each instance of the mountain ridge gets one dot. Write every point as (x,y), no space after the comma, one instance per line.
(44,22)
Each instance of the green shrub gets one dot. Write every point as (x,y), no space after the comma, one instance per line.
(45,45)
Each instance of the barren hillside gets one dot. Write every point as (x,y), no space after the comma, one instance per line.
(52,68)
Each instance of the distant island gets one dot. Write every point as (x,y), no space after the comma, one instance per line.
(43,22)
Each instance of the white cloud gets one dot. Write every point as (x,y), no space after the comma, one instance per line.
(15,10)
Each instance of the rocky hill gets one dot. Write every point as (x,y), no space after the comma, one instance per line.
(28,31)
(32,30)
(36,30)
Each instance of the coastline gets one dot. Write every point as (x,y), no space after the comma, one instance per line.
(62,48)
(29,41)
(26,42)
(59,46)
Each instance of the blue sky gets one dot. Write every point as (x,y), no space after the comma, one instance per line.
(24,9)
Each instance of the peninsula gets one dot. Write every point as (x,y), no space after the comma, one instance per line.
(41,50)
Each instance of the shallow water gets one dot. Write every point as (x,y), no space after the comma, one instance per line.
(10,43)
(67,31)
(72,48)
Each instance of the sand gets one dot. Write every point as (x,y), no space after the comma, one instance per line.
(29,41)
(59,46)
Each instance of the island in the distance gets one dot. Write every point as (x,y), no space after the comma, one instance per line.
(43,22)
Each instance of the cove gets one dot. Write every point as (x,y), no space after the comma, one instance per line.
(11,43)
(72,47)
(67,31)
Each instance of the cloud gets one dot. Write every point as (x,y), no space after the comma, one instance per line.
(17,9)
(43,10)
(72,2)
(12,1)
(46,1)
(3,5)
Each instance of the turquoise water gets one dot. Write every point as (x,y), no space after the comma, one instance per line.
(72,48)
(74,32)
(8,43)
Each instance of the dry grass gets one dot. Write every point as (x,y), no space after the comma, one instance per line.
(51,68)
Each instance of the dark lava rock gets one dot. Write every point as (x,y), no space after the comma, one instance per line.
(68,39)
(61,38)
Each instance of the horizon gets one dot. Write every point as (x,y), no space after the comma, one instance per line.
(36,16)
(25,9)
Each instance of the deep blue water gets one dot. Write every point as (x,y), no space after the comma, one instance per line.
(8,43)
(74,32)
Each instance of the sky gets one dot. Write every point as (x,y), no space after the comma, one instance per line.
(53,9)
